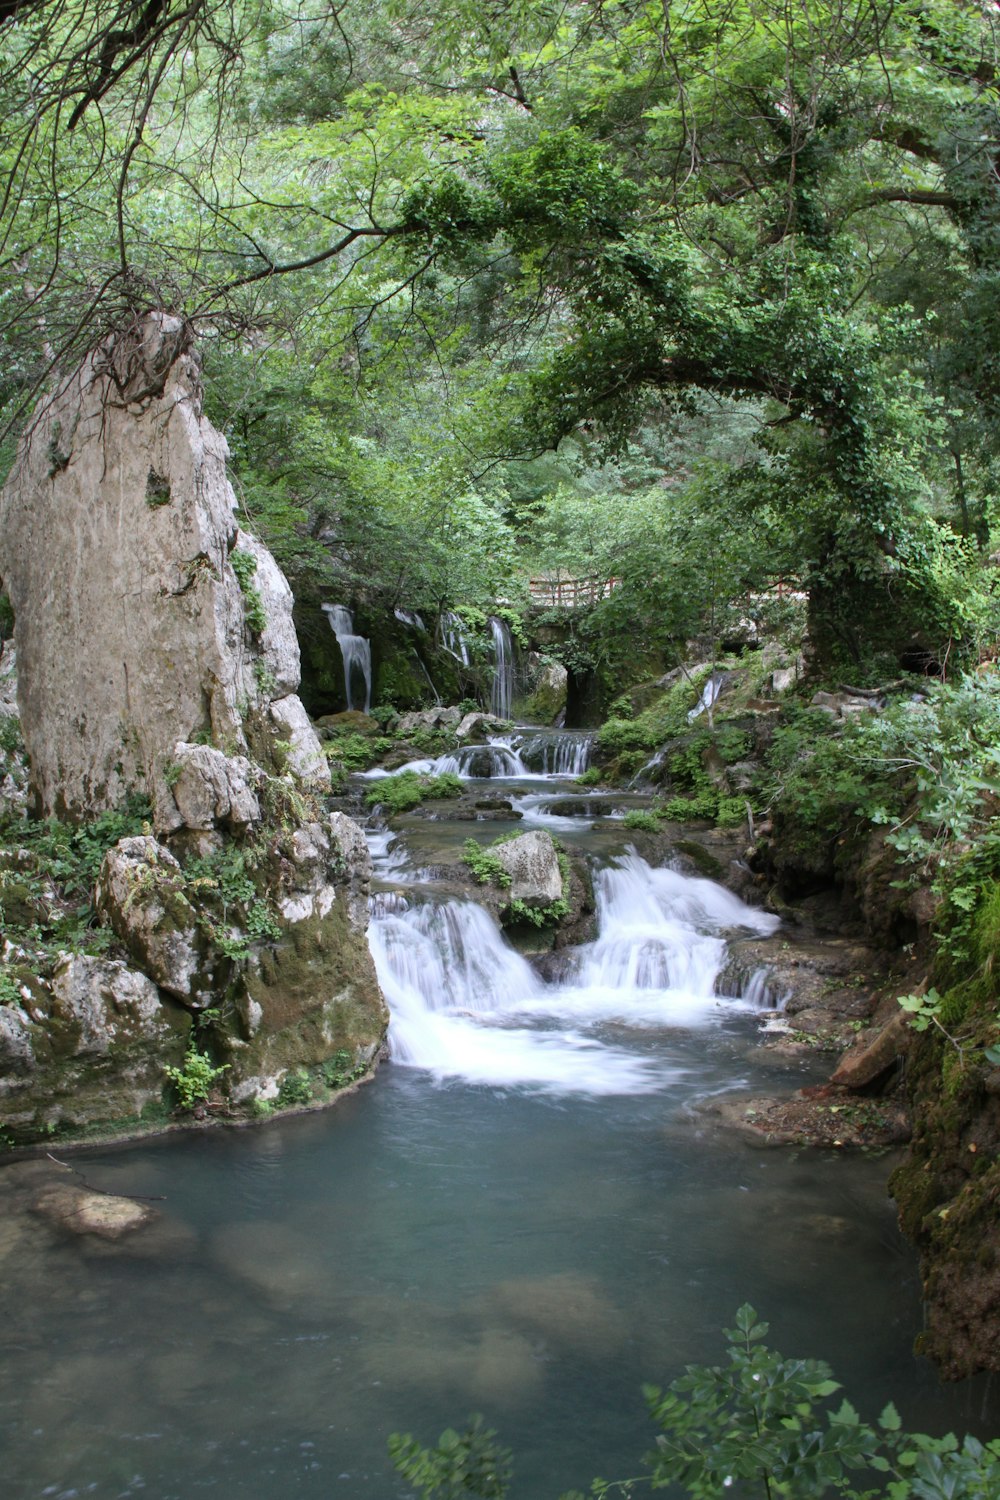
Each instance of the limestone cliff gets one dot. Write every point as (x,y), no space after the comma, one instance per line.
(157,659)
(118,549)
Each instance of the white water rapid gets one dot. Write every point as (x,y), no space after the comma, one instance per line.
(465,1005)
(355,650)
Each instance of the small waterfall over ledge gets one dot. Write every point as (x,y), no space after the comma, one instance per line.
(355,650)
(465,1005)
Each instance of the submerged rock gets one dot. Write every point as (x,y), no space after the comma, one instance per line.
(77,1210)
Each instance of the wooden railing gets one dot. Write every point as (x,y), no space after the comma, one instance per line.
(558,592)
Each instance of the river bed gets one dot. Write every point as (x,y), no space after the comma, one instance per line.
(524,1215)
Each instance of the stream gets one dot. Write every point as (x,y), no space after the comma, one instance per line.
(524,1214)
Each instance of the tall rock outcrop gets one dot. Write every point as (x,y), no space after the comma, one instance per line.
(157,657)
(120,551)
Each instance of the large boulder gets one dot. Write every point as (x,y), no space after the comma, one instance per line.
(532,863)
(101,1004)
(210,788)
(88,1048)
(157,656)
(140,893)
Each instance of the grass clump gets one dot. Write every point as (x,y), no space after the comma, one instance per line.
(401,793)
(643,822)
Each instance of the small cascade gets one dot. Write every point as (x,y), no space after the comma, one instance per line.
(451,634)
(562,752)
(411,618)
(471,762)
(452,984)
(502,691)
(759,990)
(559,754)
(713,687)
(387,904)
(464,1004)
(355,650)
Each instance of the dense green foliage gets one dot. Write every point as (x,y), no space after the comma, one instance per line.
(760,1425)
(695,297)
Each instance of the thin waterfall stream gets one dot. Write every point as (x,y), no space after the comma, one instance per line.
(525,1214)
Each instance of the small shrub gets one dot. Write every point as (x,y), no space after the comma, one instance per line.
(732,811)
(485,866)
(338,1071)
(244,565)
(193,1082)
(357,752)
(295,1088)
(645,821)
(700,808)
(758,1426)
(518,913)
(396,794)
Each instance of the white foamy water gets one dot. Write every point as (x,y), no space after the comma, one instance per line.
(540,756)
(459,995)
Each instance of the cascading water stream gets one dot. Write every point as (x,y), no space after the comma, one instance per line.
(465,1005)
(411,618)
(451,633)
(563,752)
(552,755)
(355,650)
(502,691)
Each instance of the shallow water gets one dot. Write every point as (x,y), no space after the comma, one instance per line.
(534,1246)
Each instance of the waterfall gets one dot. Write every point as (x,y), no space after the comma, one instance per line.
(563,752)
(464,1004)
(713,687)
(453,984)
(411,618)
(451,633)
(502,690)
(660,943)
(355,650)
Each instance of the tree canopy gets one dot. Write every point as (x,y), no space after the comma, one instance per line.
(741,255)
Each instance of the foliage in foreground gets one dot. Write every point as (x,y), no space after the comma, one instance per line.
(760,1426)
